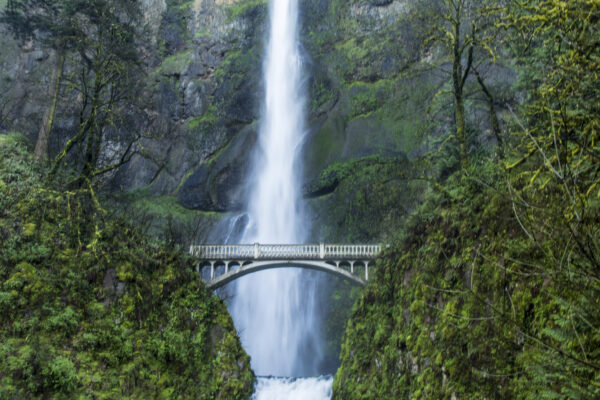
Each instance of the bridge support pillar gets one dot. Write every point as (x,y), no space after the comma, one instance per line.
(352,266)
(227,266)
(366,270)
(212,270)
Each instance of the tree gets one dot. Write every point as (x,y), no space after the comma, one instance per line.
(106,82)
(51,23)
(466,32)
(554,177)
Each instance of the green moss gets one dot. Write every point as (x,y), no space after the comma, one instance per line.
(92,308)
(450,303)
(175,64)
(185,6)
(321,150)
(239,9)
(366,97)
(167,206)
(207,119)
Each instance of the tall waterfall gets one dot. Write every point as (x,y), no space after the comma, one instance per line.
(275,310)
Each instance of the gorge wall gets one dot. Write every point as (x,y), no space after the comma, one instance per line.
(370,88)
(378,100)
(489,288)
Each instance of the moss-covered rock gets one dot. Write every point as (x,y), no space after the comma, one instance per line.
(215,185)
(466,305)
(89,307)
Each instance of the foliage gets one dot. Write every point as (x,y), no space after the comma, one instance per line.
(106,80)
(236,10)
(465,32)
(92,308)
(491,288)
(364,197)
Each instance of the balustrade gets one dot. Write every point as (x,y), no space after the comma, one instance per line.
(286,251)
(339,257)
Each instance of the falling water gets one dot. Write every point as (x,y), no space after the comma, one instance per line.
(275,310)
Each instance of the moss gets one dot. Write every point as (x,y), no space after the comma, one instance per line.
(404,323)
(207,119)
(167,206)
(92,308)
(366,97)
(185,6)
(239,9)
(321,149)
(175,64)
(450,302)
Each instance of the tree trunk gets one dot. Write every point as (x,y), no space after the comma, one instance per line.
(89,162)
(493,116)
(41,145)
(457,77)
(458,83)
(460,130)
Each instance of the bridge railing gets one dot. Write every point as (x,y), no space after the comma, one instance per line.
(286,251)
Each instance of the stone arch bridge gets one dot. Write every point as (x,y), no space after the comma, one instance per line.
(222,264)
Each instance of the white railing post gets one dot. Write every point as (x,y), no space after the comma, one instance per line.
(322,250)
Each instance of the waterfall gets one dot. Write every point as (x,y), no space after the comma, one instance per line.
(275,310)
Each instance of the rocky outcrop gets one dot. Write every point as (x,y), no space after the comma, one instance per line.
(216,185)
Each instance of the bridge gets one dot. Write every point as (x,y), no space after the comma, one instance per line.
(229,262)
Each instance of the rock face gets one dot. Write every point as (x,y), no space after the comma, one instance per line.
(375,103)
(367,93)
(217,185)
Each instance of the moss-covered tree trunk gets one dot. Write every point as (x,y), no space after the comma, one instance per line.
(459,77)
(494,122)
(460,128)
(41,145)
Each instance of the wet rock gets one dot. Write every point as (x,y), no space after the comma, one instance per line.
(379,3)
(217,185)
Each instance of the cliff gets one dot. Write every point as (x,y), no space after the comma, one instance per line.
(90,307)
(370,85)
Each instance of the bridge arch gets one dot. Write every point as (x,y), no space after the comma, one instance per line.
(246,268)
(243,259)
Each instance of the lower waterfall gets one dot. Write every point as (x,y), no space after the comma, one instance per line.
(275,311)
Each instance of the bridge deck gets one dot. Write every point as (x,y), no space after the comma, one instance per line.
(287,251)
(240,259)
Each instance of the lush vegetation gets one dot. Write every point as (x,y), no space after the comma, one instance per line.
(91,308)
(491,288)
(463,133)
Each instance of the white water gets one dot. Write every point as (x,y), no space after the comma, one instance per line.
(293,389)
(275,310)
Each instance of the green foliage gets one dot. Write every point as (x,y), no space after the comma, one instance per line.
(491,287)
(364,198)
(238,9)
(92,308)
(367,97)
(175,63)
(206,120)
